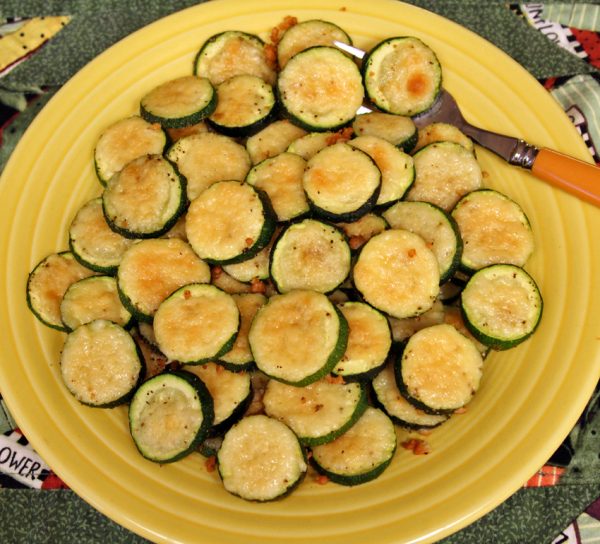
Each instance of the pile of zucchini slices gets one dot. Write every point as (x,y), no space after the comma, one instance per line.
(271,280)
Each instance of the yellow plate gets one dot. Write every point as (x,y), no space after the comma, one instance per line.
(530,396)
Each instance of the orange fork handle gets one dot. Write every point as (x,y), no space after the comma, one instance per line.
(576,177)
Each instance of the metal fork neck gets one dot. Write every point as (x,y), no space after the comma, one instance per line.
(523,155)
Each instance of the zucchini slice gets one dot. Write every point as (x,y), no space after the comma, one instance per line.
(439,369)
(396,167)
(395,405)
(230,222)
(494,229)
(435,226)
(232,53)
(145,199)
(502,305)
(444,172)
(261,459)
(297,338)
(47,284)
(196,323)
(231,393)
(310,254)
(404,328)
(342,183)
(320,89)
(93,243)
(252,269)
(272,140)
(170,415)
(397,273)
(175,134)
(101,364)
(206,158)
(124,141)
(95,297)
(307,34)
(152,269)
(362,453)
(442,132)
(245,104)
(362,230)
(310,144)
(402,75)
(318,413)
(227,283)
(369,341)
(453,316)
(179,102)
(399,130)
(240,357)
(281,178)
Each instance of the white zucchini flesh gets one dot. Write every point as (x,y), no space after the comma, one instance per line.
(397,407)
(151,270)
(397,273)
(494,230)
(310,144)
(124,141)
(442,132)
(255,268)
(435,227)
(444,172)
(281,178)
(48,282)
(229,390)
(100,363)
(260,459)
(396,129)
(196,323)
(96,297)
(369,339)
(362,452)
(310,254)
(318,412)
(397,168)
(207,158)
(297,337)
(272,140)
(440,369)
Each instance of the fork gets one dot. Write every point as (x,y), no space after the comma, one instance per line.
(571,175)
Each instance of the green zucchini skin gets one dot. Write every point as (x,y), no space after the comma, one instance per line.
(206,407)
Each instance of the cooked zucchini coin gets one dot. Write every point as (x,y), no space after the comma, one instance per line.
(281,178)
(124,141)
(101,364)
(435,226)
(297,338)
(310,254)
(362,230)
(320,89)
(145,199)
(402,75)
(342,183)
(369,341)
(399,130)
(310,144)
(231,53)
(442,132)
(396,406)
(95,297)
(170,415)
(272,140)
(230,222)
(152,269)
(196,323)
(206,158)
(444,172)
(502,305)
(396,167)
(245,104)
(47,284)
(362,453)
(494,229)
(397,273)
(260,459)
(179,102)
(439,369)
(93,243)
(319,412)
(231,393)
